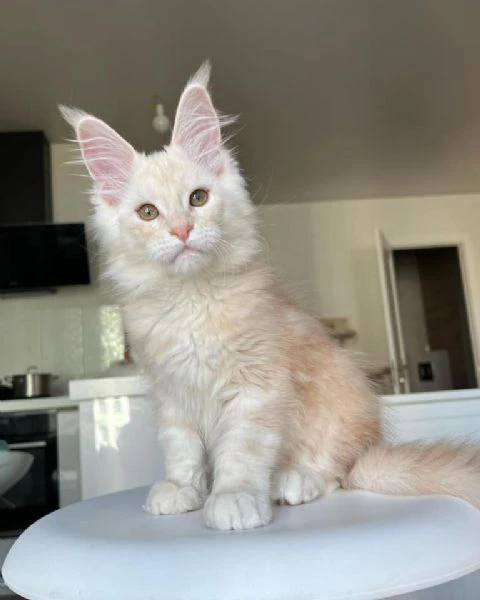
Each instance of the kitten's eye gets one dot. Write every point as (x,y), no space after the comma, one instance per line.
(148,212)
(198,198)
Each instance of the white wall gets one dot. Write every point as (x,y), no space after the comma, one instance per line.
(326,251)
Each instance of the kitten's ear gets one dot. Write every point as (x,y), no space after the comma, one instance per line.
(107,156)
(197,125)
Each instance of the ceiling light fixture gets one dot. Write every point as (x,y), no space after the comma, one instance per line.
(161,123)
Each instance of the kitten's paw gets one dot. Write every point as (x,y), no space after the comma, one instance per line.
(237,510)
(296,487)
(167,498)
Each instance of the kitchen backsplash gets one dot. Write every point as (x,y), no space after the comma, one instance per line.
(59,337)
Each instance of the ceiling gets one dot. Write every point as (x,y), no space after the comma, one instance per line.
(338,98)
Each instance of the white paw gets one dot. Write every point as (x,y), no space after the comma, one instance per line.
(295,487)
(167,498)
(237,510)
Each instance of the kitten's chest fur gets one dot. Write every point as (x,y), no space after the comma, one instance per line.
(194,339)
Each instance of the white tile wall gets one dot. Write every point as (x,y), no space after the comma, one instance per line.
(60,336)
(102,326)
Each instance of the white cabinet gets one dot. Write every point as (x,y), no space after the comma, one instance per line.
(69,477)
(119,446)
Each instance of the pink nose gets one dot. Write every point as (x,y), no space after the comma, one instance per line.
(181,231)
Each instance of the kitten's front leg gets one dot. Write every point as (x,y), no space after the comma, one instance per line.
(185,485)
(244,456)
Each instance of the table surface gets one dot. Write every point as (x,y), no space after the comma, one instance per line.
(351,545)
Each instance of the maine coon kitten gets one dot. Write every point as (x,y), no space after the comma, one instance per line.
(256,403)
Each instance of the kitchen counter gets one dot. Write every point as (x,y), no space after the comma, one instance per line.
(437,396)
(80,390)
(103,387)
(34,404)
(137,385)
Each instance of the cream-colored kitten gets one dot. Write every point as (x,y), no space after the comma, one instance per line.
(256,403)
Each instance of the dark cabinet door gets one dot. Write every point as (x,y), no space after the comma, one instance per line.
(25,179)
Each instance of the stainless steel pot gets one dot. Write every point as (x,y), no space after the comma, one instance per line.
(31,384)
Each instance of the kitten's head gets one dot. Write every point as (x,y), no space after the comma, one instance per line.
(183,211)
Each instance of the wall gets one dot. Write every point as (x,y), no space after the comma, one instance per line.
(326,252)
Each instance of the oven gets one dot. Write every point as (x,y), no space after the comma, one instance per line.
(29,486)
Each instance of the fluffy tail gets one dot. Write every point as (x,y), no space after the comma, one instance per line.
(417,469)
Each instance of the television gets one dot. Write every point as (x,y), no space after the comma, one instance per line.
(38,256)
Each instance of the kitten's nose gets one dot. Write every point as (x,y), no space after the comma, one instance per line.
(181,231)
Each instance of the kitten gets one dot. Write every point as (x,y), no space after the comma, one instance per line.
(256,403)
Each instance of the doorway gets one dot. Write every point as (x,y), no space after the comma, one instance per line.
(428,309)
(434,320)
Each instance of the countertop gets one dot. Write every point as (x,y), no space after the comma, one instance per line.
(437,396)
(104,387)
(34,404)
(81,390)
(137,385)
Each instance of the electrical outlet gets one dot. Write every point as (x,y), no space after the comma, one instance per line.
(425,371)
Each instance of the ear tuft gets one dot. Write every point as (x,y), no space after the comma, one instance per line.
(197,125)
(72,115)
(107,156)
(202,76)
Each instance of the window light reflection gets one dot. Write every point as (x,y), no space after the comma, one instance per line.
(110,415)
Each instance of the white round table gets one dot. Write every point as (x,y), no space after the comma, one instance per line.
(351,545)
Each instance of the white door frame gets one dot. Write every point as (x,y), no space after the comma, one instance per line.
(472,301)
(396,345)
